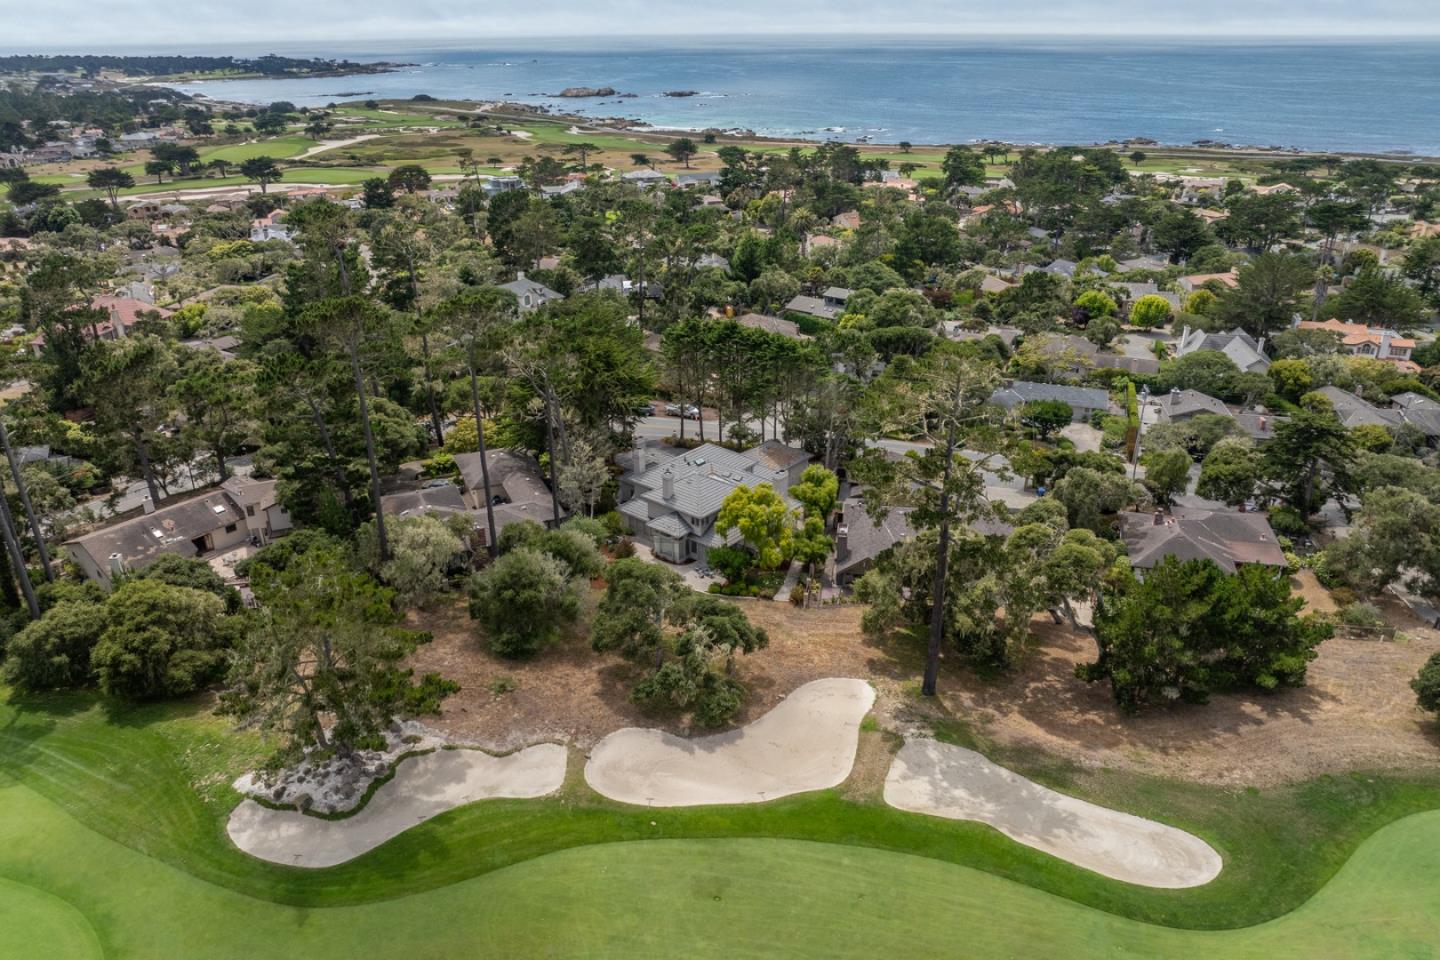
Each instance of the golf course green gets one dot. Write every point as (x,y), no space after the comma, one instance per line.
(112,845)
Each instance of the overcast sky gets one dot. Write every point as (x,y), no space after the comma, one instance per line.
(66,25)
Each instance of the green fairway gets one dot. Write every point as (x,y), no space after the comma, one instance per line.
(119,812)
(278,147)
(693,898)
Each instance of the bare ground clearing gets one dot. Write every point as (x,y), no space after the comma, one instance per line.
(1356,713)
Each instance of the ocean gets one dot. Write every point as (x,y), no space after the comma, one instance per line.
(1363,96)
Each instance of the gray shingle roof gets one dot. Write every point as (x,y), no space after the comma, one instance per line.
(866,538)
(1418,411)
(438,500)
(1242,349)
(814,307)
(1024,391)
(669,525)
(1354,411)
(1179,404)
(144,539)
(761,321)
(1259,426)
(514,476)
(1226,538)
(777,456)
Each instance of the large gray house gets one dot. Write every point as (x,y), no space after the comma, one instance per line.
(670,501)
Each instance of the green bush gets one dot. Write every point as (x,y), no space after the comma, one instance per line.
(440,465)
(161,640)
(1427,685)
(732,562)
(522,600)
(1287,520)
(54,651)
(623,549)
(1362,616)
(614,523)
(591,527)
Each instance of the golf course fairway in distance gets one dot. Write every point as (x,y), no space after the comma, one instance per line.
(727,899)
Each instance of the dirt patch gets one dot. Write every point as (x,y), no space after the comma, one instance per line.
(1317,599)
(873,757)
(1357,712)
(568,692)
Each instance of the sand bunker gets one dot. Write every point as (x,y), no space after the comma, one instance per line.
(806,743)
(948,781)
(423,787)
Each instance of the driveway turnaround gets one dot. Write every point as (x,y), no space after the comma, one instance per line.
(806,743)
(948,781)
(423,787)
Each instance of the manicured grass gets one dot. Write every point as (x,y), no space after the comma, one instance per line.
(693,898)
(156,781)
(332,176)
(400,117)
(277,147)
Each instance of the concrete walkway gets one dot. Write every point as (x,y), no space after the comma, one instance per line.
(947,781)
(325,146)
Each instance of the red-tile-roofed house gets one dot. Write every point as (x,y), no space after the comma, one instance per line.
(123,313)
(1361,340)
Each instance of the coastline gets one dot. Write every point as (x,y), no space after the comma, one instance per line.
(622,125)
(1270,98)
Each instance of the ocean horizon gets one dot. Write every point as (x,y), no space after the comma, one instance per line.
(1364,95)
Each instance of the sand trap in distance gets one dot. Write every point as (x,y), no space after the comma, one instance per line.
(806,743)
(948,781)
(423,787)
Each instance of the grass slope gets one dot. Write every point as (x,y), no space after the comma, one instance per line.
(154,780)
(697,898)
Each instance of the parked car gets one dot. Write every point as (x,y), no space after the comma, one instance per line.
(672,409)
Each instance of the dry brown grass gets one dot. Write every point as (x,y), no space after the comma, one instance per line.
(1357,712)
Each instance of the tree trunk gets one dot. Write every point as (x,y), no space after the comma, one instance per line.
(370,452)
(9,592)
(35,530)
(142,449)
(435,419)
(17,559)
(329,444)
(942,561)
(490,545)
(550,445)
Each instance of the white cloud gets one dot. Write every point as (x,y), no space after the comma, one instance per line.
(209,25)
